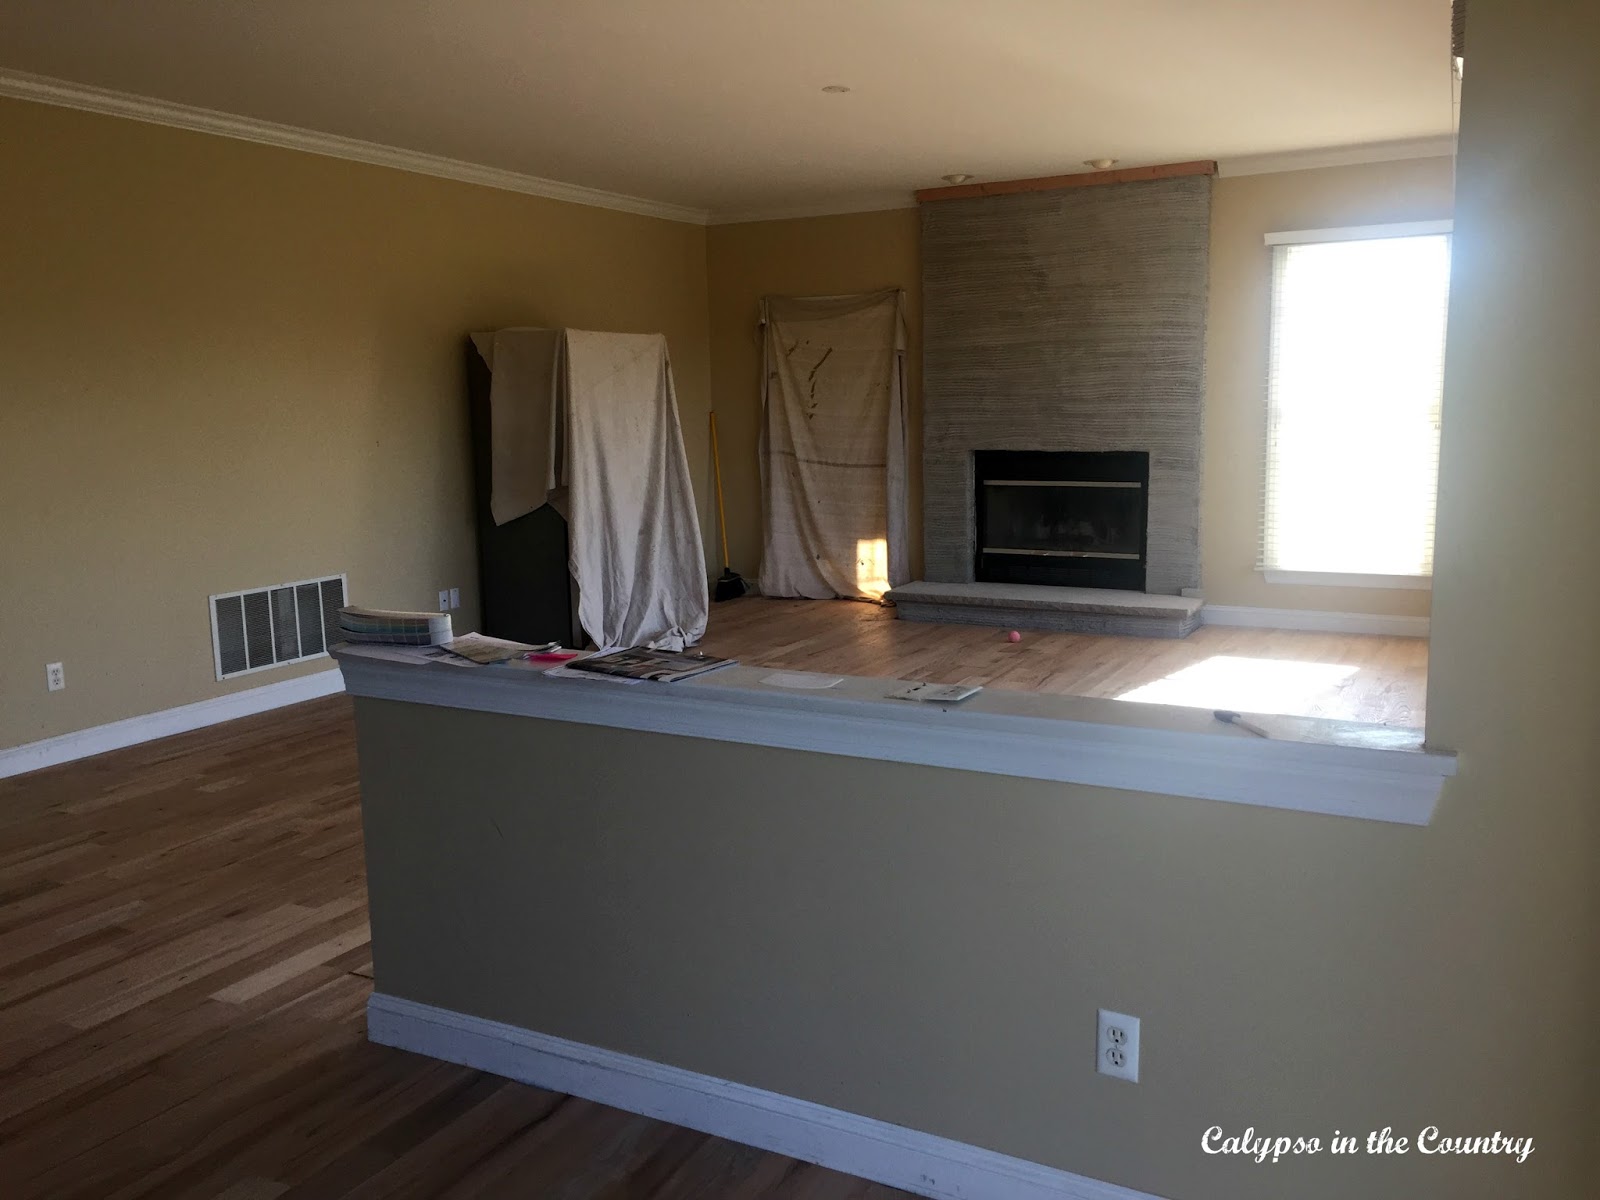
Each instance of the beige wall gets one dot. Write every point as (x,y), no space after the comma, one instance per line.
(224,365)
(816,256)
(928,947)
(866,250)
(1244,209)
(1514,672)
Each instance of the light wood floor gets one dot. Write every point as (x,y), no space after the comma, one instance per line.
(183,970)
(1382,680)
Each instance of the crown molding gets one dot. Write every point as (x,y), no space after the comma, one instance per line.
(41,89)
(1443,146)
(840,206)
(1254,164)
(1078,179)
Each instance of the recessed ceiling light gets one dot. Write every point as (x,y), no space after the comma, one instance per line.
(958,177)
(1100,164)
(836,88)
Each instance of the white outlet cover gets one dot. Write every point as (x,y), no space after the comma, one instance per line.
(444,600)
(1117,1046)
(455,598)
(55,677)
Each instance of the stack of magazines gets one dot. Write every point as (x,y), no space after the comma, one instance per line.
(641,662)
(387,627)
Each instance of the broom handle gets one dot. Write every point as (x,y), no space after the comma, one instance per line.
(722,513)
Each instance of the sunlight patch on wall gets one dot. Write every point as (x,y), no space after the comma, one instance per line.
(872,566)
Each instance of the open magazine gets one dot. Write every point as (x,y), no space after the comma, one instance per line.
(639,662)
(936,693)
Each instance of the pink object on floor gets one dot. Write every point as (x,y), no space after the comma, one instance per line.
(1013,636)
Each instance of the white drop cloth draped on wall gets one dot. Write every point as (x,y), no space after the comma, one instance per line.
(589,422)
(833,445)
(634,533)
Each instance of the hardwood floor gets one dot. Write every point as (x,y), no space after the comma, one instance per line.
(184,955)
(183,970)
(1350,677)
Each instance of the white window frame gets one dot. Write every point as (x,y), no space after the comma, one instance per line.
(1352,233)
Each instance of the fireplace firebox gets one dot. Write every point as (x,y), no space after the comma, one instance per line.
(1069,518)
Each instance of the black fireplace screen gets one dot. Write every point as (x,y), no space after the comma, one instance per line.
(1062,517)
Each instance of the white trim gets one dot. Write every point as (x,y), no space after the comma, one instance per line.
(1410,583)
(1310,619)
(1361,233)
(83,743)
(1320,767)
(1442,146)
(1249,164)
(841,1141)
(43,89)
(840,206)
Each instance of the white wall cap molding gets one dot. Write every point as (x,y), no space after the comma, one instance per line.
(1308,766)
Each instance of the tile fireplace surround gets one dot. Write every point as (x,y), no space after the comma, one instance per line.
(1067,320)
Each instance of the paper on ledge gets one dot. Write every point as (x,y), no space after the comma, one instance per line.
(807,680)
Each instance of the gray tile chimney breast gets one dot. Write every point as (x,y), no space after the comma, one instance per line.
(1067,320)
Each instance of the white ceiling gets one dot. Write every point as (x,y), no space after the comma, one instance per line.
(717,104)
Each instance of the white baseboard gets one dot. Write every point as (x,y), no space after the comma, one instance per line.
(97,740)
(888,1154)
(1308,619)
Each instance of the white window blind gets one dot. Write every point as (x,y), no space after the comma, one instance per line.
(1353,395)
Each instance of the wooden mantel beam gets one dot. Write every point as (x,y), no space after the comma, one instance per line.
(1048,183)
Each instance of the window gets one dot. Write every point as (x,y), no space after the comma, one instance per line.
(1353,390)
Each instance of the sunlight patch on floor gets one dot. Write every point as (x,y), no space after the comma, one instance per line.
(1261,685)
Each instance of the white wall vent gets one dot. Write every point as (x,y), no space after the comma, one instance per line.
(268,627)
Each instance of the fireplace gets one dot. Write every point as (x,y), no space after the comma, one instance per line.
(1069,518)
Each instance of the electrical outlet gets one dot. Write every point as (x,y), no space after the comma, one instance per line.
(444,600)
(1117,1046)
(455,598)
(55,676)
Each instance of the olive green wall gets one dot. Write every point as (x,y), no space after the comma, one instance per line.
(929,946)
(224,365)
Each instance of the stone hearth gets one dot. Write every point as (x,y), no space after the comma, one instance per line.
(1056,609)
